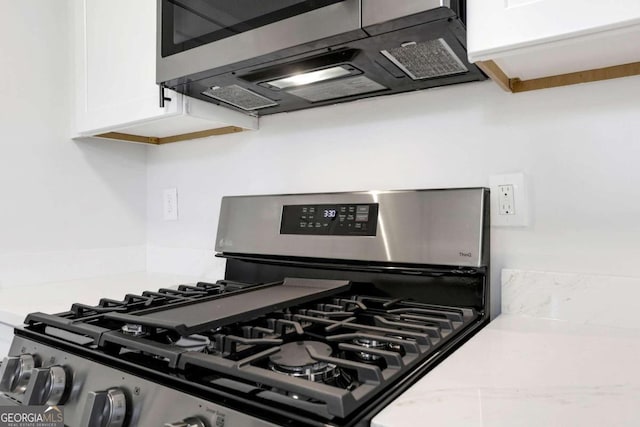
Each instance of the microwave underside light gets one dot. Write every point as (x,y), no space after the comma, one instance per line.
(338,88)
(306,78)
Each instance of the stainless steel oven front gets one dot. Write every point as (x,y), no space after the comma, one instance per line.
(200,35)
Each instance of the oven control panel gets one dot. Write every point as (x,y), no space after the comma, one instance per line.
(356,219)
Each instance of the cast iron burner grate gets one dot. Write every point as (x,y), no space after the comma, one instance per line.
(326,356)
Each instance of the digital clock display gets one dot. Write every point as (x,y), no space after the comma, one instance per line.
(339,219)
(329,213)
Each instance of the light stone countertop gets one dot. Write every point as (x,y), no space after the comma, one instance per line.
(565,352)
(521,371)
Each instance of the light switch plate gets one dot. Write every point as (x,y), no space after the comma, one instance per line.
(509,200)
(170,204)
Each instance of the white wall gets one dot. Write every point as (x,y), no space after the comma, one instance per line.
(579,147)
(68,209)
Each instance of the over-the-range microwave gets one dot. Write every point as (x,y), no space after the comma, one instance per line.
(268,56)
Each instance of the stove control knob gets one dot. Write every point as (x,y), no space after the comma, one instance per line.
(46,386)
(187,422)
(105,408)
(15,373)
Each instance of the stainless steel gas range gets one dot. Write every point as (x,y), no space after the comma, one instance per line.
(331,306)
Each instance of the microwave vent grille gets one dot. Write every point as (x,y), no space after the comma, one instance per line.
(426,60)
(239,97)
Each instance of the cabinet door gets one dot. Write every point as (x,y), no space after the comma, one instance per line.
(498,26)
(115,45)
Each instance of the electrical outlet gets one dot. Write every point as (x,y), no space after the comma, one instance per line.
(509,200)
(170,204)
(506,202)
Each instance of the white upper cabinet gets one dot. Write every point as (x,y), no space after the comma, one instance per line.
(116,93)
(532,44)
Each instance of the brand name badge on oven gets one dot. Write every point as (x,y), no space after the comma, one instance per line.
(465,254)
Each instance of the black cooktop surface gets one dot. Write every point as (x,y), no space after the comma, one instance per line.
(317,346)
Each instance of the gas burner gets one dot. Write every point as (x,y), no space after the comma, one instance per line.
(294,360)
(370,343)
(193,343)
(133,330)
